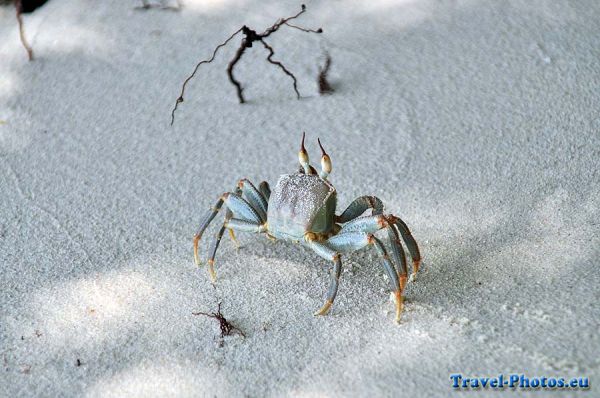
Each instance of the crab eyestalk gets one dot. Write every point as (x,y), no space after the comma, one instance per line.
(325,162)
(303,156)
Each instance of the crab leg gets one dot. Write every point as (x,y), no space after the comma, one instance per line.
(376,222)
(398,255)
(328,254)
(213,253)
(411,244)
(231,224)
(208,217)
(215,246)
(264,188)
(229,216)
(236,204)
(366,224)
(245,226)
(359,206)
(241,208)
(255,198)
(352,241)
(392,274)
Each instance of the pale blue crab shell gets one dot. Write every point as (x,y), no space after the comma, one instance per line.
(301,203)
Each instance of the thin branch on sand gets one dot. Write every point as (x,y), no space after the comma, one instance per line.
(250,36)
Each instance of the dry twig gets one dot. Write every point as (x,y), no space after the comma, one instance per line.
(250,36)
(19,12)
(227,329)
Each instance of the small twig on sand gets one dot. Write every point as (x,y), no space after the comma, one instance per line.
(250,36)
(19,12)
(324,86)
(227,329)
(180,99)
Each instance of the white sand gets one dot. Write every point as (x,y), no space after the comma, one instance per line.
(477,122)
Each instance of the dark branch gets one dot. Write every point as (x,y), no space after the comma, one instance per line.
(230,67)
(304,29)
(280,22)
(283,68)
(250,36)
(180,99)
(19,12)
(227,329)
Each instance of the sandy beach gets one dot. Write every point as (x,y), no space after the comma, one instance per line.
(477,122)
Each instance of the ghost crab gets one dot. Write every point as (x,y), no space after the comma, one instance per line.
(301,208)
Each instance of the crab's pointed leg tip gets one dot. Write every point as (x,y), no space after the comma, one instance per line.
(403,280)
(325,309)
(416,265)
(398,313)
(211,271)
(196,257)
(399,306)
(233,238)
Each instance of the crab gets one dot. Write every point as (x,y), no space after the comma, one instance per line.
(302,209)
